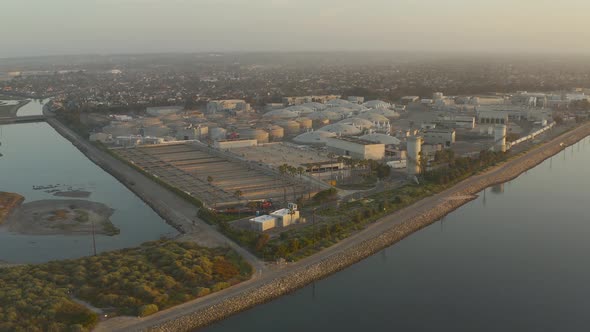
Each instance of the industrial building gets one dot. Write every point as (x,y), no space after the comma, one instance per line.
(263,223)
(234,144)
(163,110)
(286,217)
(445,137)
(215,106)
(279,218)
(488,116)
(356,148)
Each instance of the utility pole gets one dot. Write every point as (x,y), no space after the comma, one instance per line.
(313,225)
(93,238)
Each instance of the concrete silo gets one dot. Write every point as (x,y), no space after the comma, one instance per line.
(500,138)
(414,150)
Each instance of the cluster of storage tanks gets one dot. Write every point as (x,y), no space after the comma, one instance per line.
(263,133)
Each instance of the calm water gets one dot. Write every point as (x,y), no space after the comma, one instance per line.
(34,107)
(35,154)
(516,260)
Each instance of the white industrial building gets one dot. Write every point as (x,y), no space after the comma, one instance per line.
(215,106)
(101,137)
(234,144)
(286,217)
(163,110)
(278,218)
(356,99)
(356,148)
(445,137)
(381,138)
(457,121)
(263,223)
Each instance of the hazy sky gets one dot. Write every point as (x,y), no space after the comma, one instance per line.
(41,27)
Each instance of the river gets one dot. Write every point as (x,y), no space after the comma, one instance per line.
(34,154)
(33,107)
(511,260)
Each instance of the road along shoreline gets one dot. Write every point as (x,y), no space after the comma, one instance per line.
(314,270)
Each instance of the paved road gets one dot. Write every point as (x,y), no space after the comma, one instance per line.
(163,201)
(264,276)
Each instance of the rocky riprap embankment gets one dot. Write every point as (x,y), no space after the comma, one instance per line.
(307,274)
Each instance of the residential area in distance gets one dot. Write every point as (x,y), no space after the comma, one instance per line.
(262,168)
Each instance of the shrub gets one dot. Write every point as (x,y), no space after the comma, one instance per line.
(146,310)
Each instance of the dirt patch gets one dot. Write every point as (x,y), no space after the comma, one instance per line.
(8,203)
(62,217)
(73,193)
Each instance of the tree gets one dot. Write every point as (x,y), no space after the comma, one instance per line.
(238,193)
(300,171)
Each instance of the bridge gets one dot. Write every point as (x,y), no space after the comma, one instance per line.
(22,119)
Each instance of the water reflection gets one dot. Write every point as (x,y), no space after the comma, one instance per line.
(516,265)
(498,189)
(34,155)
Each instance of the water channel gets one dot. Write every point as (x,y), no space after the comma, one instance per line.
(515,259)
(34,154)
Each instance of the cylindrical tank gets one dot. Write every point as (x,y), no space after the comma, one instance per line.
(276,132)
(414,149)
(306,123)
(500,138)
(251,133)
(201,131)
(218,133)
(291,127)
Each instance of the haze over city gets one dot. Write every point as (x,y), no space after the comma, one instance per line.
(38,27)
(294,165)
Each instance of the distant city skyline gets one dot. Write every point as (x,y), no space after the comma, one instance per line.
(37,28)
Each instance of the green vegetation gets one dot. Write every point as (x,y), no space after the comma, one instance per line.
(138,281)
(335,223)
(9,202)
(72,120)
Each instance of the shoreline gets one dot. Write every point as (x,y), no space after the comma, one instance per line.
(308,272)
(275,283)
(12,110)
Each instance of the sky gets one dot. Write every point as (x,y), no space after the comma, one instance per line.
(54,27)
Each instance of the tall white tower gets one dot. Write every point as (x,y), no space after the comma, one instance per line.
(414,149)
(500,138)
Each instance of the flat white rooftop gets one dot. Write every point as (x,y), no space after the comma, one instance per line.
(281,212)
(262,219)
